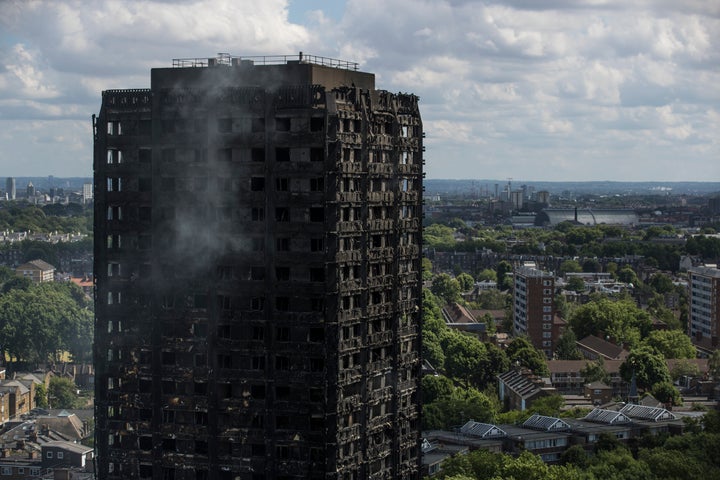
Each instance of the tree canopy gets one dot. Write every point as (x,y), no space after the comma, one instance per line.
(671,344)
(42,320)
(446,287)
(649,367)
(621,320)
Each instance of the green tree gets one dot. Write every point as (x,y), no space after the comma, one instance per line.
(62,393)
(595,372)
(427,269)
(438,236)
(575,455)
(432,350)
(649,367)
(576,284)
(661,283)
(532,359)
(612,269)
(466,282)
(628,275)
(485,464)
(526,466)
(684,367)
(461,405)
(671,464)
(41,396)
(489,321)
(591,265)
(21,283)
(549,405)
(711,421)
(487,275)
(492,299)
(621,320)
(654,232)
(706,247)
(666,393)
(463,356)
(619,464)
(671,344)
(446,287)
(37,323)
(494,363)
(570,266)
(567,346)
(503,281)
(714,364)
(435,387)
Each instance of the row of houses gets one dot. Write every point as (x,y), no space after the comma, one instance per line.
(547,436)
(519,388)
(46,443)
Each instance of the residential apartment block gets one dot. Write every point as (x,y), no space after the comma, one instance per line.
(704,283)
(534,308)
(257,262)
(38,271)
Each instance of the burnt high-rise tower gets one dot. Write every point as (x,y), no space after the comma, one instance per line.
(257,262)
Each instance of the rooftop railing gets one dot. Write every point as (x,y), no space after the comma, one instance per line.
(230,60)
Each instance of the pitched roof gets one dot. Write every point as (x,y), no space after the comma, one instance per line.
(607,350)
(608,417)
(457,313)
(521,385)
(565,366)
(41,264)
(15,384)
(641,412)
(66,424)
(482,430)
(69,446)
(545,423)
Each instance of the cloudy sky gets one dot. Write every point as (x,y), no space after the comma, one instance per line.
(556,90)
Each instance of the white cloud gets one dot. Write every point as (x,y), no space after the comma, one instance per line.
(592,88)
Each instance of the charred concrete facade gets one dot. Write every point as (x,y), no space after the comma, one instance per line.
(257,259)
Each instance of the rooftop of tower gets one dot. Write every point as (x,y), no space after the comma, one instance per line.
(233,60)
(260,71)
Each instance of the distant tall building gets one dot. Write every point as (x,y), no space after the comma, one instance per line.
(10,188)
(543,196)
(704,306)
(534,308)
(258,274)
(30,190)
(87,192)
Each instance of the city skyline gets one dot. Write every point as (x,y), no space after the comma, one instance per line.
(571,91)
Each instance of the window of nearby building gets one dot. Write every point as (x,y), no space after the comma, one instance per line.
(60,455)
(49,454)
(6,471)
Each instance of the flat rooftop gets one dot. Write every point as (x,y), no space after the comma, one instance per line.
(225,70)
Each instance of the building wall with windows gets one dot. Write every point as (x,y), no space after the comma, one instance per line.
(534,308)
(704,284)
(258,275)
